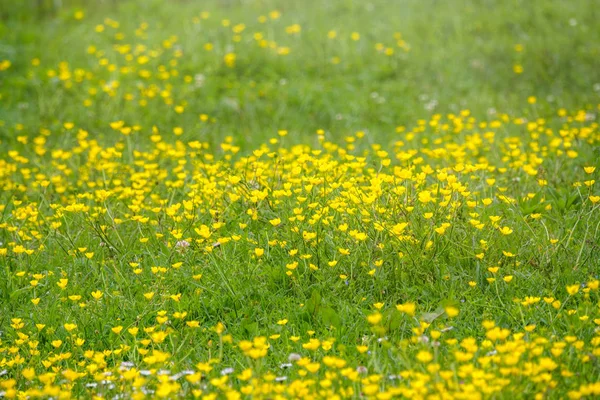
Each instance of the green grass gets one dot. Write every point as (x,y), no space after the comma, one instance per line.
(315,180)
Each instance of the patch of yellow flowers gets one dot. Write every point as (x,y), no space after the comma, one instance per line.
(361,199)
(345,211)
(432,363)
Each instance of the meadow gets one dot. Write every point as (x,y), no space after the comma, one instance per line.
(274,199)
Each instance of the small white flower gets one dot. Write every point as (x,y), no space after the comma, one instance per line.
(126,365)
(182,245)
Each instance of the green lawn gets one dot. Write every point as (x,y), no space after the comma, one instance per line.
(277,199)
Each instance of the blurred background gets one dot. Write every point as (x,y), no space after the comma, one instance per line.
(252,67)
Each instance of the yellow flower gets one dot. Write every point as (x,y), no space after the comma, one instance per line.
(158,336)
(572,289)
(362,349)
(275,221)
(28,373)
(374,318)
(193,324)
(312,367)
(424,356)
(117,329)
(313,344)
(97,294)
(451,311)
(425,197)
(407,308)
(245,374)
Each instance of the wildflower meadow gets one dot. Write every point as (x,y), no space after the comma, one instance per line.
(273,199)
